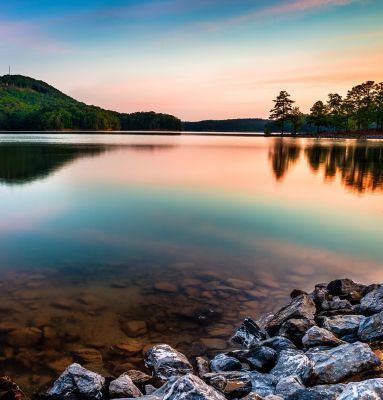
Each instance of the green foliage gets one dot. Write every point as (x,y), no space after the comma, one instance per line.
(282,109)
(318,115)
(296,118)
(28,104)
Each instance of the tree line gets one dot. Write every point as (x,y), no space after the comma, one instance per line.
(360,109)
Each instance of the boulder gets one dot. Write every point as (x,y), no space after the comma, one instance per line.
(372,302)
(187,387)
(371,328)
(291,362)
(222,362)
(332,366)
(123,386)
(294,329)
(279,343)
(263,384)
(77,382)
(260,358)
(320,392)
(289,385)
(316,336)
(339,287)
(164,362)
(299,307)
(336,304)
(342,325)
(248,334)
(365,390)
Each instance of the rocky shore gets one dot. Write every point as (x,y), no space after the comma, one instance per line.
(322,345)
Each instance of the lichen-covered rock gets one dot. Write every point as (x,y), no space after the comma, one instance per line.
(316,336)
(249,334)
(294,329)
(332,366)
(77,382)
(299,307)
(279,343)
(187,387)
(164,362)
(222,362)
(366,390)
(372,302)
(340,287)
(342,325)
(289,385)
(291,362)
(371,328)
(123,386)
(320,392)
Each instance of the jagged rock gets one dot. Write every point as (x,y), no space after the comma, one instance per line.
(9,390)
(260,358)
(202,366)
(263,384)
(342,325)
(232,386)
(249,334)
(24,337)
(165,362)
(291,362)
(340,287)
(253,396)
(300,307)
(332,366)
(320,294)
(316,336)
(294,329)
(371,328)
(320,392)
(187,387)
(352,338)
(372,302)
(123,386)
(141,379)
(365,390)
(77,382)
(297,292)
(316,349)
(222,362)
(149,389)
(279,343)
(289,385)
(336,304)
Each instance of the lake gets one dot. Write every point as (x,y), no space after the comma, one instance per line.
(110,243)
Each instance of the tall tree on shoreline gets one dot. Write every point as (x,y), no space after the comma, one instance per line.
(282,109)
(318,115)
(336,118)
(296,119)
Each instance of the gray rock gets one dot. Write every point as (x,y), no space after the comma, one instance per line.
(260,358)
(222,362)
(332,366)
(164,362)
(320,294)
(279,343)
(294,329)
(371,328)
(288,386)
(202,366)
(187,387)
(340,287)
(320,392)
(336,304)
(316,336)
(366,390)
(316,349)
(372,302)
(123,386)
(249,334)
(77,382)
(149,389)
(291,362)
(342,325)
(263,384)
(299,307)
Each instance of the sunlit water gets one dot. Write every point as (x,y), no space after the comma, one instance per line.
(188,234)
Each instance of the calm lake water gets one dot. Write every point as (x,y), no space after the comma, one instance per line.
(113,242)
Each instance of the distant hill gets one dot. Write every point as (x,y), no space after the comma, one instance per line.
(29,104)
(227,125)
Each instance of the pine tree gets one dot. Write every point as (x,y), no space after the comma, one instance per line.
(282,109)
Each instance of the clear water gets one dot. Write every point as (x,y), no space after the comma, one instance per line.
(100,230)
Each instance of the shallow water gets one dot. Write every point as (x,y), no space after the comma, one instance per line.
(189,234)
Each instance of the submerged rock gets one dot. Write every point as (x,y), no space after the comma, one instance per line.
(332,366)
(365,390)
(186,388)
(316,336)
(249,334)
(291,362)
(371,328)
(164,362)
(222,362)
(9,390)
(123,386)
(77,382)
(24,337)
(342,325)
(299,307)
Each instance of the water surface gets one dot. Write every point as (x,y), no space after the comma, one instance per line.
(113,242)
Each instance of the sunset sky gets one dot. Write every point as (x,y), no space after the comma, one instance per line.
(196,59)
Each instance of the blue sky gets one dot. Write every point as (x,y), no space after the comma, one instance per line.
(196,59)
